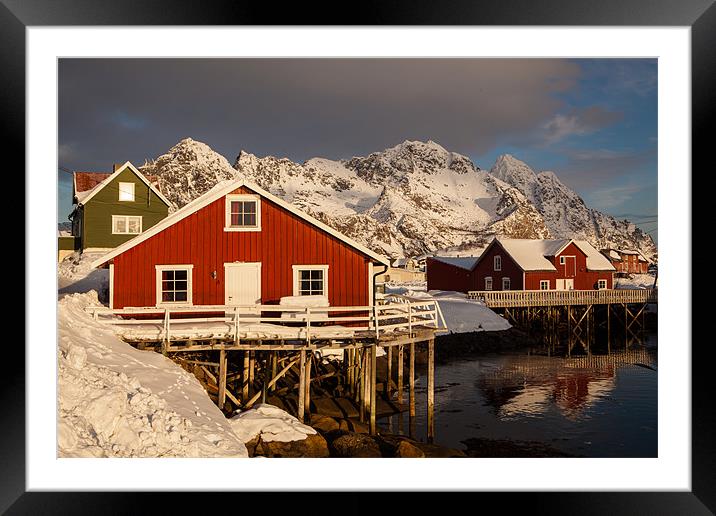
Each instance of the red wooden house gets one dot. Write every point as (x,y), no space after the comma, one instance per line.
(239,245)
(627,261)
(521,264)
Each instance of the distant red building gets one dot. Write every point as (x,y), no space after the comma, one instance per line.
(239,245)
(627,261)
(521,264)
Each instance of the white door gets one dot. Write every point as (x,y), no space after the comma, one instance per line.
(560,284)
(242,284)
(569,284)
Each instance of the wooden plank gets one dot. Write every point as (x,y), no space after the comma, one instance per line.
(389,375)
(223,362)
(411,380)
(431,390)
(400,374)
(373,381)
(302,386)
(307,394)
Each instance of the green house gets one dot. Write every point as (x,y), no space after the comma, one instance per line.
(113,208)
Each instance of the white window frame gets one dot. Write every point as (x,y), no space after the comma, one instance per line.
(126,221)
(509,283)
(189,287)
(497,262)
(133,189)
(296,277)
(242,197)
(542,282)
(601,282)
(488,278)
(562,260)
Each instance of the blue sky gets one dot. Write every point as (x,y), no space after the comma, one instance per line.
(591,121)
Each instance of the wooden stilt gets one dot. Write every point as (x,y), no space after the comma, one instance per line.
(431,390)
(373,381)
(274,368)
(361,386)
(307,393)
(411,380)
(302,386)
(609,327)
(252,369)
(222,378)
(389,375)
(400,374)
(245,379)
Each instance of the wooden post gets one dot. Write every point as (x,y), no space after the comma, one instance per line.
(302,386)
(361,387)
(222,378)
(626,326)
(367,383)
(609,326)
(252,369)
(431,390)
(373,381)
(389,375)
(307,395)
(400,374)
(245,379)
(411,380)
(274,368)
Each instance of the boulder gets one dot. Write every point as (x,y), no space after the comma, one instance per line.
(408,450)
(312,446)
(352,444)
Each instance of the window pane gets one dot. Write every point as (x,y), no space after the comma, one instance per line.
(317,286)
(235,219)
(180,274)
(180,285)
(317,275)
(121,225)
(167,296)
(250,220)
(167,275)
(250,207)
(134,225)
(305,275)
(180,296)
(305,285)
(167,285)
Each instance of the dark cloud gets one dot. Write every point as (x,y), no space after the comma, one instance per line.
(118,109)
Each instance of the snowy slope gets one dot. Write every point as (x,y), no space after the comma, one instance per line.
(411,199)
(116,401)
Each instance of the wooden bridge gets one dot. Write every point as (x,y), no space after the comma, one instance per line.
(287,336)
(541,298)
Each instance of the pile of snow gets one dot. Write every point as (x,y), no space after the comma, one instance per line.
(271,423)
(75,274)
(117,401)
(462,315)
(637,281)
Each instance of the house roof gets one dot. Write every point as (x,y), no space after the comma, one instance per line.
(87,184)
(464,262)
(596,261)
(612,254)
(531,255)
(218,191)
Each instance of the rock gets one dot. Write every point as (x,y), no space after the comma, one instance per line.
(407,450)
(252,445)
(312,446)
(352,444)
(324,423)
(435,451)
(351,425)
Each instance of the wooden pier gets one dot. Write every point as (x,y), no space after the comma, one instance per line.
(271,340)
(541,298)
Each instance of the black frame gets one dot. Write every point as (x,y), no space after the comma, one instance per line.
(700,15)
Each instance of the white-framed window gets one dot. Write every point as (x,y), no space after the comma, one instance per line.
(544,284)
(562,260)
(126,191)
(505,283)
(601,284)
(310,280)
(488,283)
(497,263)
(243,212)
(126,224)
(174,284)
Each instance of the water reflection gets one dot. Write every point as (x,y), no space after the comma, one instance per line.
(598,405)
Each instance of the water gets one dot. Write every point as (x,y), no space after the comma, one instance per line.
(603,406)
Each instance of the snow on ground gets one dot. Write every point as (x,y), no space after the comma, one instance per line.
(75,274)
(117,401)
(272,423)
(637,281)
(461,315)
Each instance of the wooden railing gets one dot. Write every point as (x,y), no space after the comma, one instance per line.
(527,298)
(289,322)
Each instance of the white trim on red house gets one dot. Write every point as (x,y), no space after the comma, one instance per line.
(218,192)
(111,286)
(158,277)
(242,197)
(297,268)
(104,183)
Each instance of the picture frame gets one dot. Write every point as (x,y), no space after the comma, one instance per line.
(17,15)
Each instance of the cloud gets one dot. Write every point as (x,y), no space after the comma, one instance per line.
(127,121)
(577,122)
(611,197)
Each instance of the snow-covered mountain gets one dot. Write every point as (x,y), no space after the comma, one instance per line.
(565,213)
(414,198)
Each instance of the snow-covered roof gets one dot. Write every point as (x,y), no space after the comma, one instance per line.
(596,261)
(531,255)
(464,262)
(614,255)
(400,262)
(219,190)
